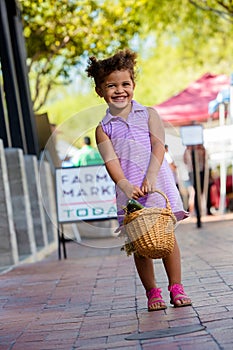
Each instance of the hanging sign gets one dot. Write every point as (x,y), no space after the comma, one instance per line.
(192,135)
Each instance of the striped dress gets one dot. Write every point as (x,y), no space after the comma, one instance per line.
(131,141)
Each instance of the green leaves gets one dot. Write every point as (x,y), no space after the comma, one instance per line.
(61,34)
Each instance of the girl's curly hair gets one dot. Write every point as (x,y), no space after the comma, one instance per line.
(122,60)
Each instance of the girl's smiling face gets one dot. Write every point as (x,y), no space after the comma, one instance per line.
(117,89)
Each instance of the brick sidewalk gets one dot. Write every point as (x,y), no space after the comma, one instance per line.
(94,299)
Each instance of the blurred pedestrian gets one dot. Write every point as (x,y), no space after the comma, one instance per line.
(64,149)
(196,155)
(172,165)
(201,163)
(87,155)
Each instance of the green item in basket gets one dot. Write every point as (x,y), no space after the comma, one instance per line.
(133,205)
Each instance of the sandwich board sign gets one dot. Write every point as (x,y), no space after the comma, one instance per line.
(84,193)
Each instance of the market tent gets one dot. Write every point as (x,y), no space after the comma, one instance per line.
(191,104)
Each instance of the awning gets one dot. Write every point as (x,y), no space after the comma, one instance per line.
(191,104)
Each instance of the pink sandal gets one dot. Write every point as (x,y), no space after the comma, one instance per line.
(154,297)
(178,296)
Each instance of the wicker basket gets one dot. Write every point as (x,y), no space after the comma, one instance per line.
(151,231)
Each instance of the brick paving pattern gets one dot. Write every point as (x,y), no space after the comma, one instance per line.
(94,299)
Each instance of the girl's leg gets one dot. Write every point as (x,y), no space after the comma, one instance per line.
(172,266)
(145,269)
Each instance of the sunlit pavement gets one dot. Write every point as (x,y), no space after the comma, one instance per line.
(94,299)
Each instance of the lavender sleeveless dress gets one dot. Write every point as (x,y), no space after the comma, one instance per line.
(131,142)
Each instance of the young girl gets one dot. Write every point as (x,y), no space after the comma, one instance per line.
(130,139)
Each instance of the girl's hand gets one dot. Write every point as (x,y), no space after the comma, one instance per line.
(148,186)
(131,191)
(136,192)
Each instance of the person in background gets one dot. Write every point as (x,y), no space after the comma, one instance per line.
(213,196)
(201,159)
(87,155)
(172,164)
(65,150)
(131,140)
(201,164)
(186,189)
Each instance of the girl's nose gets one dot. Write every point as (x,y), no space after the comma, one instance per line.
(119,89)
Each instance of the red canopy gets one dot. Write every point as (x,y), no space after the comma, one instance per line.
(191,104)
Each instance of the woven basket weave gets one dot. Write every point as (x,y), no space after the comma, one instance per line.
(151,230)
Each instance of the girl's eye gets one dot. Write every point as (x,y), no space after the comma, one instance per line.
(112,85)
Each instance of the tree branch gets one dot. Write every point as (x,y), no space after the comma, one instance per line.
(220,13)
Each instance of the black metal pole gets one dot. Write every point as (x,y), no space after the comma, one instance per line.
(61,241)
(19,52)
(196,185)
(10,83)
(4,135)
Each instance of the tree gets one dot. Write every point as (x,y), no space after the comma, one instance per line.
(61,34)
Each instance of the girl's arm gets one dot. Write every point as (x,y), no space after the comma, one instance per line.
(157,137)
(113,165)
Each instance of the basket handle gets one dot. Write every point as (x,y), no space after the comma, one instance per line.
(168,205)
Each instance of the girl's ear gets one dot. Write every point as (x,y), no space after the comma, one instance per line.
(99,92)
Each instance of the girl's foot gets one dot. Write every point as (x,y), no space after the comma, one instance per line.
(178,296)
(155,300)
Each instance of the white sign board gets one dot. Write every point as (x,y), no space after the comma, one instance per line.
(192,135)
(85,193)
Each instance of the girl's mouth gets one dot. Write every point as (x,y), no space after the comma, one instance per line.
(119,98)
